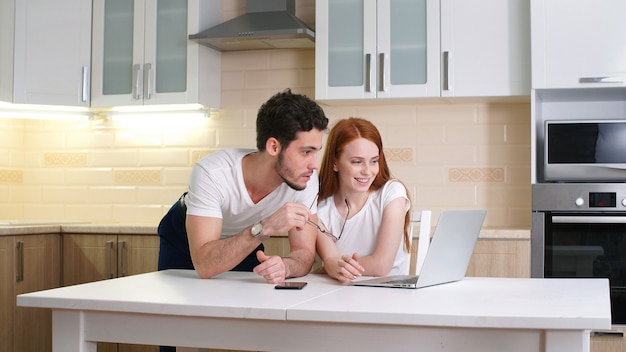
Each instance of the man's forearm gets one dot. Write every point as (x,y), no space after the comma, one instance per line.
(219,256)
(298,263)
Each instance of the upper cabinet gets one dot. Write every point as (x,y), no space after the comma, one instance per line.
(485,48)
(141,53)
(422,48)
(376,49)
(578,43)
(45,51)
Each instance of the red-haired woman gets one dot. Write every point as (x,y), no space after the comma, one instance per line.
(362,211)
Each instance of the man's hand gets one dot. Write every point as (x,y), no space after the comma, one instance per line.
(271,268)
(290,215)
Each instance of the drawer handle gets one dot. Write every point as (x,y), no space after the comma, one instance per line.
(109,258)
(121,246)
(381,72)
(446,70)
(20,258)
(368,72)
(607,333)
(605,79)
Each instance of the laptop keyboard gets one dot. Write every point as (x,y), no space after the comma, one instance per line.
(407,281)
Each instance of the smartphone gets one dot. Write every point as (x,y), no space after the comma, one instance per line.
(291,285)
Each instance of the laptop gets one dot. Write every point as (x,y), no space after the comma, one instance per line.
(448,255)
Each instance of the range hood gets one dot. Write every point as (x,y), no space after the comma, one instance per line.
(267,24)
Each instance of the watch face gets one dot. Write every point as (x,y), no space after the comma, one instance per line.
(256,229)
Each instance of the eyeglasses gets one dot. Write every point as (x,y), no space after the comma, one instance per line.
(323,229)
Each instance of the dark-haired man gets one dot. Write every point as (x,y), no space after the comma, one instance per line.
(237,198)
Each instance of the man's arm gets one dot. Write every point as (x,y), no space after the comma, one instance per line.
(212,256)
(302,250)
(209,254)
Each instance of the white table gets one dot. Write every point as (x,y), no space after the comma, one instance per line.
(240,311)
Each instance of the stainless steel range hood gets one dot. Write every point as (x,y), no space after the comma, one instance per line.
(267,24)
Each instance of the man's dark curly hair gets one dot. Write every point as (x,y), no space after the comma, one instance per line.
(285,114)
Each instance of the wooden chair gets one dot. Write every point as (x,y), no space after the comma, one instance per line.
(423,218)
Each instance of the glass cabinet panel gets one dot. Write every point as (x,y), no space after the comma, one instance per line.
(118,47)
(171,47)
(408,42)
(345,44)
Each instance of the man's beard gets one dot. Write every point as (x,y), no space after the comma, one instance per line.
(285,172)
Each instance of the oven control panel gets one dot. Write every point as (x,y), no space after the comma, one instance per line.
(579,197)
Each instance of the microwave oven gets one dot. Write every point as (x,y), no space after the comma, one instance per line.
(585,151)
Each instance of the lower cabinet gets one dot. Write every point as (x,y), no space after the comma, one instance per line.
(28,263)
(609,342)
(94,257)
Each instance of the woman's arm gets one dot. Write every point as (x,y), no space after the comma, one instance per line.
(390,235)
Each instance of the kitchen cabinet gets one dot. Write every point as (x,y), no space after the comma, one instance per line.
(142,55)
(427,48)
(578,44)
(93,257)
(45,52)
(376,49)
(485,48)
(28,263)
(609,342)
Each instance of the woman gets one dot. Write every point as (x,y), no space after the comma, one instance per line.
(363,212)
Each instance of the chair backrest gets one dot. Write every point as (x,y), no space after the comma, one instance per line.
(423,217)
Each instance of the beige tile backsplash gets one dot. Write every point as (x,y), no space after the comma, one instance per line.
(450,155)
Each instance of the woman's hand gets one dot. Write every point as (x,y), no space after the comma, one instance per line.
(347,268)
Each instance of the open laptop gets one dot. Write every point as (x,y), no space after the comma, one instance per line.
(448,255)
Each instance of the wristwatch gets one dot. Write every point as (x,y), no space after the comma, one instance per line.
(257,231)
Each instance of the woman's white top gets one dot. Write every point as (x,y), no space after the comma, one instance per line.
(361,230)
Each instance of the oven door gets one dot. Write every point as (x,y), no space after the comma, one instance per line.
(588,245)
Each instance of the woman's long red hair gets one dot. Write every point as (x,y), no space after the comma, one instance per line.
(344,132)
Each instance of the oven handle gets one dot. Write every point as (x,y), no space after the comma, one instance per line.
(589,219)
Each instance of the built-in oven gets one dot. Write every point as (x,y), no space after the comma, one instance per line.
(579,230)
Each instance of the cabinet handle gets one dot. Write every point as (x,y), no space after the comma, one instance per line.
(20,261)
(605,79)
(85,88)
(381,70)
(368,72)
(446,67)
(607,333)
(109,258)
(136,86)
(147,81)
(121,245)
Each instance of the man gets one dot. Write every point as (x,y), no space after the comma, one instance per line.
(237,198)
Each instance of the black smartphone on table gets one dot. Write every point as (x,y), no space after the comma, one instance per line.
(291,285)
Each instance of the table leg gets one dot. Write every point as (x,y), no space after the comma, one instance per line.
(567,340)
(68,332)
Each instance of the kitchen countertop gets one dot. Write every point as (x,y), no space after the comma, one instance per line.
(31,227)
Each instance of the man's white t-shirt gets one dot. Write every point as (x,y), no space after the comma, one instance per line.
(361,230)
(217,189)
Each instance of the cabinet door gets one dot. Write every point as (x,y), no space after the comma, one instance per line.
(7,293)
(38,268)
(345,49)
(168,53)
(408,49)
(52,52)
(117,52)
(609,342)
(88,258)
(485,46)
(138,254)
(578,43)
